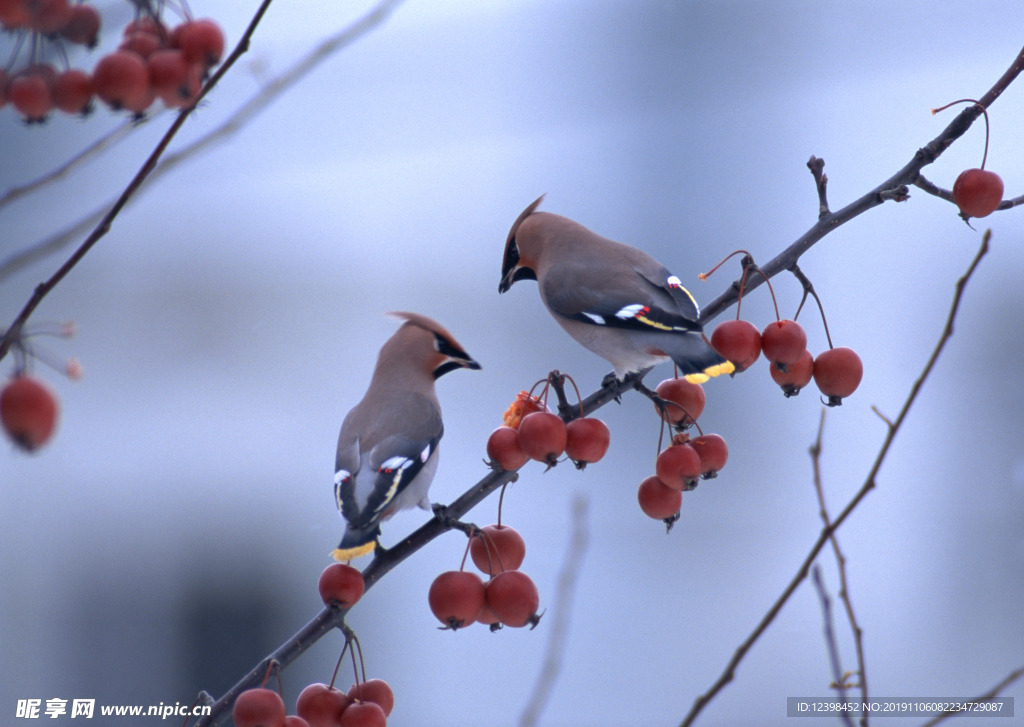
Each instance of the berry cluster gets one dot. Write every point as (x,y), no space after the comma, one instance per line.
(837,372)
(153,61)
(460,598)
(532,431)
(367,703)
(679,466)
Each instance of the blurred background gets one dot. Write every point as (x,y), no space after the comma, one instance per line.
(172,533)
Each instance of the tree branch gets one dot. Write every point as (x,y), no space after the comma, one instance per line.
(14,331)
(892,188)
(869,484)
(844,586)
(986,697)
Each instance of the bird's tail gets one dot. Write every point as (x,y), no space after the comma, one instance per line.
(356,542)
(696,359)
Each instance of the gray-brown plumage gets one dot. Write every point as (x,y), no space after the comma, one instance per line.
(387,447)
(616,300)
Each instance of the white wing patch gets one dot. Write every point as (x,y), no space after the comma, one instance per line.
(599,320)
(674,282)
(425,454)
(629,311)
(394,463)
(340,478)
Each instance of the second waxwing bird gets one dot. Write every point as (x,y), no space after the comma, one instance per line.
(387,447)
(614,299)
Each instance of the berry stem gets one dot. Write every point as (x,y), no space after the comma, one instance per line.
(579,398)
(501,501)
(462,565)
(984,111)
(809,290)
(349,636)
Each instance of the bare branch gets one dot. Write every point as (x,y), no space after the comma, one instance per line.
(869,484)
(830,641)
(892,188)
(986,697)
(61,171)
(817,167)
(844,585)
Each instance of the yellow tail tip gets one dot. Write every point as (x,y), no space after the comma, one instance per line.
(726,367)
(346,554)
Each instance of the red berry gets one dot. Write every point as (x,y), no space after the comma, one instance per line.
(497,548)
(542,435)
(455,597)
(173,79)
(72,91)
(504,451)
(293,720)
(363,714)
(838,372)
(782,343)
(14,14)
(321,705)
(341,584)
(713,453)
(145,44)
(796,377)
(28,412)
(83,27)
(4,81)
(377,691)
(657,499)
(977,192)
(31,95)
(586,441)
(687,401)
(258,708)
(202,41)
(49,16)
(739,341)
(513,598)
(121,80)
(678,466)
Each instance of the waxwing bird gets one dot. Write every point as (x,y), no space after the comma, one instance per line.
(387,447)
(614,299)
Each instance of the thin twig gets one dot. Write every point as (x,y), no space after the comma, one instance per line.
(830,642)
(568,578)
(844,586)
(14,331)
(104,142)
(869,484)
(817,167)
(986,697)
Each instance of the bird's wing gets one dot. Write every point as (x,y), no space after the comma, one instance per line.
(387,458)
(630,298)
